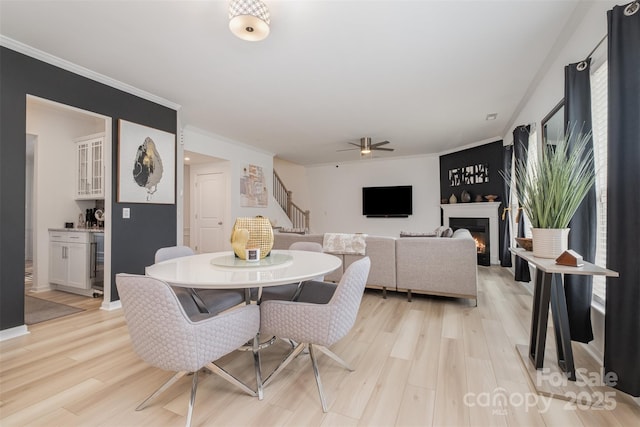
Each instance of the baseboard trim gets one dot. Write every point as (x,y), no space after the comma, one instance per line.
(10,333)
(110,306)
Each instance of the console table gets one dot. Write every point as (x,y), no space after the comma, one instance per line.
(549,288)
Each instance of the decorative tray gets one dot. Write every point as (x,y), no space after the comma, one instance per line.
(231,260)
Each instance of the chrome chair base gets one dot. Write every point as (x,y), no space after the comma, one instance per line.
(162,388)
(292,355)
(295,352)
(194,385)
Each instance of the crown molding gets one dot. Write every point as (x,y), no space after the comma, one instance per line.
(225,140)
(472,145)
(85,72)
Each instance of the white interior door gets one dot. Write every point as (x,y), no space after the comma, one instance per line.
(210,199)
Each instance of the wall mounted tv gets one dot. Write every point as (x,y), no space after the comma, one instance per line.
(387,202)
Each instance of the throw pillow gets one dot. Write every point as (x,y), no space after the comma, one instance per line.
(416,234)
(443,231)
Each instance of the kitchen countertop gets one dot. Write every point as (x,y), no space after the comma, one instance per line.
(79,230)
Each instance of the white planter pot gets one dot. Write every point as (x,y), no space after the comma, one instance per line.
(550,242)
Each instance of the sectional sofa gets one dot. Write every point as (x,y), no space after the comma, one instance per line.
(444,266)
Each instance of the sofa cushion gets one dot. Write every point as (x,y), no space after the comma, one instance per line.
(382,251)
(284,240)
(438,266)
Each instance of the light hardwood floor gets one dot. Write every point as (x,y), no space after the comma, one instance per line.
(434,361)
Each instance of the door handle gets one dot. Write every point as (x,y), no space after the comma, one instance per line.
(93,247)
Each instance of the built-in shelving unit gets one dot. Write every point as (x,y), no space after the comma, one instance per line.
(90,167)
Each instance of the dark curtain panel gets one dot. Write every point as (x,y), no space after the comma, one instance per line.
(520,145)
(507,159)
(582,237)
(622,318)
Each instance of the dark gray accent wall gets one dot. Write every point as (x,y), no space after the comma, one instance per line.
(489,154)
(133,241)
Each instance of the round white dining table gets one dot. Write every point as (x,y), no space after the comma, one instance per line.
(222,270)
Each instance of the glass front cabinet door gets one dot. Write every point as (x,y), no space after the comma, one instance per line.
(90,167)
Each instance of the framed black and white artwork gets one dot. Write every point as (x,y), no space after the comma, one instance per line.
(146,164)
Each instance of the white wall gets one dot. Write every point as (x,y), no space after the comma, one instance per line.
(590,27)
(589,30)
(55,129)
(295,179)
(336,195)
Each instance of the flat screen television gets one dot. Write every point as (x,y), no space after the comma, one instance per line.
(385,202)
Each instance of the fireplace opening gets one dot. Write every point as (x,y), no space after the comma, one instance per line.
(479,229)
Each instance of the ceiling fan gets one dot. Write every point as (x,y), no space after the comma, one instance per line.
(367,147)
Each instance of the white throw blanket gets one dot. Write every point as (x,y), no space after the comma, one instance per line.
(342,243)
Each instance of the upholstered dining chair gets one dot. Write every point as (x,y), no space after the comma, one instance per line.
(316,326)
(290,292)
(164,336)
(211,301)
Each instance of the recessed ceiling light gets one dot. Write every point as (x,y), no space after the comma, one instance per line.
(492,116)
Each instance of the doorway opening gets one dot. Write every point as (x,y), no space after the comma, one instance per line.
(51,201)
(206,203)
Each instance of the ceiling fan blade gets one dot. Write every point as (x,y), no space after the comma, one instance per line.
(377,144)
(365,144)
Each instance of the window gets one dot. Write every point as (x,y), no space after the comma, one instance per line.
(599,77)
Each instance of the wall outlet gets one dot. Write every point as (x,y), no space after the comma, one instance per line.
(126,212)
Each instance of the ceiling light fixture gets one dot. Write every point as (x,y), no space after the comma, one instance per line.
(365,145)
(249,19)
(492,116)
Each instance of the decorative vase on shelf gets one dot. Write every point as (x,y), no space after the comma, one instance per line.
(465,197)
(550,242)
(453,199)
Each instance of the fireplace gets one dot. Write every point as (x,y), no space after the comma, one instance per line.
(485,210)
(479,229)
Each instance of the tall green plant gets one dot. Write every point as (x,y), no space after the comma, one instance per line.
(551,189)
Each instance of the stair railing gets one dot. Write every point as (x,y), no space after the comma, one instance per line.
(300,219)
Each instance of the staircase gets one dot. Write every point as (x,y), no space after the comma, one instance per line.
(299,218)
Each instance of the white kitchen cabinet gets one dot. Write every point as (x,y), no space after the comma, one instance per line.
(72,261)
(90,167)
(58,264)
